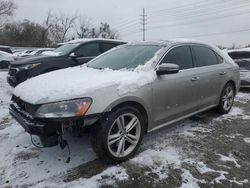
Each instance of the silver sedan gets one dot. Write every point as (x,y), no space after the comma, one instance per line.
(126,92)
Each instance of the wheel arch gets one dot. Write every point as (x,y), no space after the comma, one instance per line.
(234,85)
(133,103)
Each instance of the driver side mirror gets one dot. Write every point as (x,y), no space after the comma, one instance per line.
(73,55)
(167,68)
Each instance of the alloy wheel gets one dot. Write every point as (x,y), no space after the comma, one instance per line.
(228,98)
(124,135)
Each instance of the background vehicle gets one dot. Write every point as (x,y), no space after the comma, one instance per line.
(5,59)
(23,53)
(6,49)
(242,58)
(126,92)
(73,53)
(39,51)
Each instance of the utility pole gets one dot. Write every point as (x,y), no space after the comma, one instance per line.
(143,22)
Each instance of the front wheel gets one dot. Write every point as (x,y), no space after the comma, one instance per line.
(118,137)
(226,99)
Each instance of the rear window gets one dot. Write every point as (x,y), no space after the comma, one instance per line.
(239,55)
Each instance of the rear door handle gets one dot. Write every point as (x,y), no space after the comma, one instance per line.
(195,78)
(222,72)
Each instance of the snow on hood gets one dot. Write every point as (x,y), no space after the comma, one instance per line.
(50,53)
(81,81)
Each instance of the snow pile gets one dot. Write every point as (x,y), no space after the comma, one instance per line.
(5,95)
(159,160)
(242,98)
(193,131)
(202,169)
(189,181)
(25,164)
(113,174)
(247,140)
(235,113)
(229,158)
(50,53)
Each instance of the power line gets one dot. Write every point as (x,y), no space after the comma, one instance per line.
(179,7)
(205,11)
(198,21)
(218,33)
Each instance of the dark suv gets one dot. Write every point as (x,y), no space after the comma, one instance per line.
(73,53)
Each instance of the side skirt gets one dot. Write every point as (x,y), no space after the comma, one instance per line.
(181,118)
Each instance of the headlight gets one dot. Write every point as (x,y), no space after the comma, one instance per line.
(64,109)
(29,66)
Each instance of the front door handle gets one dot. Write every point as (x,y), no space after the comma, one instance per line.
(195,78)
(222,72)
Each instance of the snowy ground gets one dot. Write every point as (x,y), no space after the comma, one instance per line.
(203,151)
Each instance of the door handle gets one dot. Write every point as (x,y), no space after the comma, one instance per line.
(195,78)
(222,72)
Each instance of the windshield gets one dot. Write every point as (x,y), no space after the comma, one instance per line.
(128,56)
(66,48)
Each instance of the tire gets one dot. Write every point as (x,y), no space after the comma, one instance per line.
(110,135)
(226,99)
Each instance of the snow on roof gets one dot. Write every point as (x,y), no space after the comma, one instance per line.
(92,39)
(171,41)
(239,50)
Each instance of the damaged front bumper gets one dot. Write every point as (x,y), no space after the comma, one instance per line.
(48,130)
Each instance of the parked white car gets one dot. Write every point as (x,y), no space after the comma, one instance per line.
(242,58)
(5,59)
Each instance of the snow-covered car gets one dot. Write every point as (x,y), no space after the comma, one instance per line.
(24,53)
(73,53)
(128,91)
(40,51)
(5,49)
(5,59)
(242,58)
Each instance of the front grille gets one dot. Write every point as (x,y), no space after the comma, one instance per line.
(29,108)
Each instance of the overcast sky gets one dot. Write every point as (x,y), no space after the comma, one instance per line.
(217,21)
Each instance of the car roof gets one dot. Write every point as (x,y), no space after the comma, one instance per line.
(239,50)
(171,42)
(93,39)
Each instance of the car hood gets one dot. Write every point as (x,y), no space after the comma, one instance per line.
(81,81)
(34,59)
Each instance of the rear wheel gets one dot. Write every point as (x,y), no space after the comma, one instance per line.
(227,99)
(117,138)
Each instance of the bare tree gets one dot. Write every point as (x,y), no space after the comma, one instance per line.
(47,24)
(61,25)
(106,32)
(82,28)
(7,8)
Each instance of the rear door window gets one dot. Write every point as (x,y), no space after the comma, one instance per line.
(239,55)
(181,56)
(89,50)
(204,56)
(107,46)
